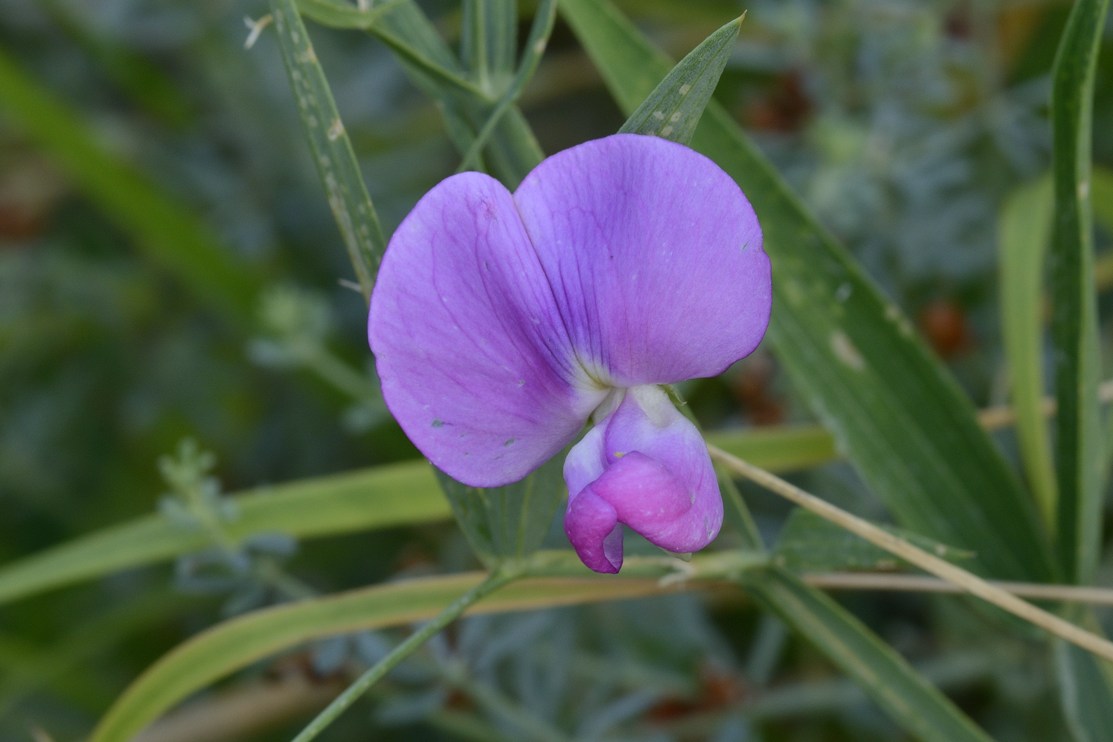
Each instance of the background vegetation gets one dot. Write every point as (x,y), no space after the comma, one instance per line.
(180,320)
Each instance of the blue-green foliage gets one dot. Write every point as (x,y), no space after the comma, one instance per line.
(903,126)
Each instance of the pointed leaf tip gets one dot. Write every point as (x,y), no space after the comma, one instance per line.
(675,106)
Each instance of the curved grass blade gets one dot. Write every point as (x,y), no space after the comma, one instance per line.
(237,643)
(1074,330)
(890,681)
(332,150)
(368,499)
(386,496)
(1085,688)
(891,406)
(1024,233)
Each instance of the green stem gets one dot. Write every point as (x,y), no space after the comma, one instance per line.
(334,14)
(531,57)
(501,576)
(966,581)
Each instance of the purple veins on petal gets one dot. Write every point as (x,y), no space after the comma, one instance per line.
(654,254)
(501,322)
(463,314)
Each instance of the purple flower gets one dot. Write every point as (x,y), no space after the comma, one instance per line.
(501,323)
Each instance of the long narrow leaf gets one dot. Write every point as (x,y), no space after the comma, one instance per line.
(1101,197)
(1074,316)
(382,497)
(538,40)
(1024,232)
(369,499)
(489,42)
(892,407)
(332,150)
(512,149)
(808,543)
(888,679)
(669,112)
(1085,688)
(1086,693)
(414,41)
(235,644)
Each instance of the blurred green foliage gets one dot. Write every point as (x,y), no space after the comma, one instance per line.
(904,126)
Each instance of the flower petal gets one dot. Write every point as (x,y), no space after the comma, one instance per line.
(656,477)
(586,461)
(655,257)
(474,359)
(594,532)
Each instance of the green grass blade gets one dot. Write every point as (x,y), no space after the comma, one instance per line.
(512,150)
(884,675)
(809,543)
(1074,328)
(489,41)
(531,57)
(167,232)
(1024,232)
(237,643)
(675,106)
(332,150)
(892,407)
(399,25)
(778,449)
(368,499)
(1101,197)
(431,65)
(1085,692)
(1085,682)
(343,15)
(383,497)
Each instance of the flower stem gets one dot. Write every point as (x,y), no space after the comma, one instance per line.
(914,555)
(501,576)
(921,584)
